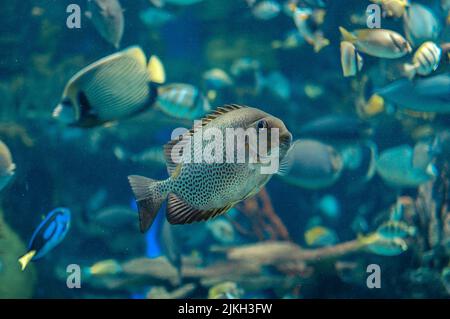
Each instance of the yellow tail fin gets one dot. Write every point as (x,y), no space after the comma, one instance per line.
(346,35)
(156,70)
(25,259)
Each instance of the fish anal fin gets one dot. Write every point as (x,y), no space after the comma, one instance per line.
(179,212)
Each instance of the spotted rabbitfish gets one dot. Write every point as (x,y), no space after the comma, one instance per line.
(198,191)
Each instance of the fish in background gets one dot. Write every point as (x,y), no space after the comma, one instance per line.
(307,23)
(114,218)
(421,24)
(277,84)
(266,9)
(115,87)
(107,17)
(292,39)
(396,229)
(389,238)
(182,101)
(425,60)
(170,245)
(200,191)
(247,75)
(337,129)
(379,43)
(351,60)
(312,165)
(379,245)
(225,290)
(151,156)
(7,166)
(320,236)
(424,152)
(222,230)
(103,268)
(395,166)
(162,3)
(214,81)
(359,161)
(156,17)
(393,8)
(431,94)
(49,234)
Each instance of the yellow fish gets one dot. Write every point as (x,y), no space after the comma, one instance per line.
(351,60)
(380,43)
(105,267)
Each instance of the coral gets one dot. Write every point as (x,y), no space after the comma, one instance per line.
(14,283)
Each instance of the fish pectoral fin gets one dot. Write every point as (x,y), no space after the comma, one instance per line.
(179,212)
(25,259)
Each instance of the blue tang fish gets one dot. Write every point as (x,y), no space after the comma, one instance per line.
(50,232)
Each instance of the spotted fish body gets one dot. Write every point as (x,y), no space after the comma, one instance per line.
(199,191)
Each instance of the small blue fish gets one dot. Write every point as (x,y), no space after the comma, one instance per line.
(49,234)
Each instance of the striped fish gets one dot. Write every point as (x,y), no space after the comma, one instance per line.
(183,101)
(115,87)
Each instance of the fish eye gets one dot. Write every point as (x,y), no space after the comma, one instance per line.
(262,124)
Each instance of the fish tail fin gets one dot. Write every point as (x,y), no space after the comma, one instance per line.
(25,259)
(410,70)
(149,198)
(155,69)
(346,35)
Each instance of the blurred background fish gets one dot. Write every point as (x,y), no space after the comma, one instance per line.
(107,17)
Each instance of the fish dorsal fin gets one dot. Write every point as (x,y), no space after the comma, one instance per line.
(171,165)
(179,212)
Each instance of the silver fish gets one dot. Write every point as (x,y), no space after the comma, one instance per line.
(380,43)
(7,166)
(156,17)
(198,190)
(266,10)
(183,101)
(395,166)
(430,94)
(313,165)
(421,24)
(161,3)
(115,87)
(107,17)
